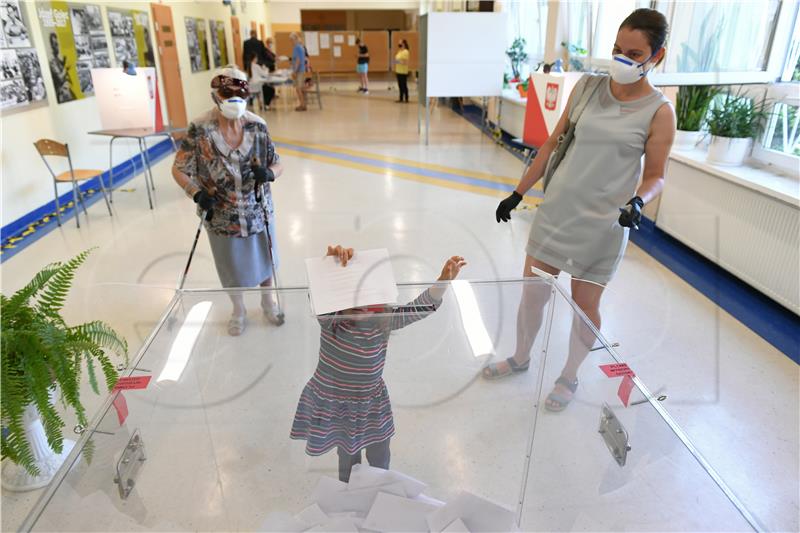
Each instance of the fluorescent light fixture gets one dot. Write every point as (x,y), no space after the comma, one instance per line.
(184,342)
(478,337)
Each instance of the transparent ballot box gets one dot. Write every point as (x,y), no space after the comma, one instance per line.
(207,443)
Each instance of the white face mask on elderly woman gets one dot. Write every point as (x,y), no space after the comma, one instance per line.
(233,108)
(625,71)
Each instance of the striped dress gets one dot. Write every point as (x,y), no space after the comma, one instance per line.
(345,403)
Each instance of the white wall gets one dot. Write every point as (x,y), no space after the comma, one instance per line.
(25,184)
(288,11)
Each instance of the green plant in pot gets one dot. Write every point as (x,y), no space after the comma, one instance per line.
(734,121)
(517,56)
(691,109)
(43,357)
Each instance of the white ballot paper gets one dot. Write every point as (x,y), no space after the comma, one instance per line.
(394,513)
(312,516)
(367,279)
(476,513)
(283,522)
(363,476)
(333,497)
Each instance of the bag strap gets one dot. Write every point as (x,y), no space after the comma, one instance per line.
(584,98)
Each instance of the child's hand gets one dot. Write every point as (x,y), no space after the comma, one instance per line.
(342,254)
(452,267)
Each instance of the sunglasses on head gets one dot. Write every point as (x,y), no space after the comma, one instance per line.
(229,87)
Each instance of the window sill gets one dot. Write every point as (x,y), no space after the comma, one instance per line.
(752,175)
(512,95)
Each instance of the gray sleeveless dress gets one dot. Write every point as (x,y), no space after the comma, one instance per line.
(575,228)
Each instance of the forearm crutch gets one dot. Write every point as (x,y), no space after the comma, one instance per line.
(261,199)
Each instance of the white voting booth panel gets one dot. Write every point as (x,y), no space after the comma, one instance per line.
(125,101)
(465,54)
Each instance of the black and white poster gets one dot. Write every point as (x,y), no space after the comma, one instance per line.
(21,81)
(15,31)
(198,45)
(130,35)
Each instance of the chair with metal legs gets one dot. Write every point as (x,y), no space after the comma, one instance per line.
(47,148)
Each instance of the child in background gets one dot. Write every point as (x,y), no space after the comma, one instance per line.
(345,404)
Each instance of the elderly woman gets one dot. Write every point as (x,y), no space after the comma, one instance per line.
(224,161)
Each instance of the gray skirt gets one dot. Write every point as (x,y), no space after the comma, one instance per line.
(243,261)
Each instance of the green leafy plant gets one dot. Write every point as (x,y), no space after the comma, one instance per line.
(574,50)
(517,55)
(41,353)
(737,116)
(692,106)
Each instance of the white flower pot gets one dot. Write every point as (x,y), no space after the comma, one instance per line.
(687,140)
(728,151)
(16,478)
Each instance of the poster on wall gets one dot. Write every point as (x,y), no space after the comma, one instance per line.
(198,45)
(75,43)
(21,81)
(130,37)
(219,47)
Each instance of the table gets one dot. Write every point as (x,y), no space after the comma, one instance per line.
(141,135)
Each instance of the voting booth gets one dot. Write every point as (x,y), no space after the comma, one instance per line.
(127,101)
(199,437)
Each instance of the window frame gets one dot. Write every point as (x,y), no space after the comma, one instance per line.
(784,93)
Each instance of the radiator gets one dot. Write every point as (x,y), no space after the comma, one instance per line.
(753,235)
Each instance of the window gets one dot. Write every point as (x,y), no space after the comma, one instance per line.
(780,144)
(528,19)
(738,41)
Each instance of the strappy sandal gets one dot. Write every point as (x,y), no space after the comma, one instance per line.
(272,313)
(491,371)
(236,325)
(557,402)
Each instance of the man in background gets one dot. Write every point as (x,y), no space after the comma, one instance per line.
(254,48)
(299,70)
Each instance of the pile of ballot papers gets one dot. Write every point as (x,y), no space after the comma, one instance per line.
(385,500)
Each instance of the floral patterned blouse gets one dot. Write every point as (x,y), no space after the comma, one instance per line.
(205,157)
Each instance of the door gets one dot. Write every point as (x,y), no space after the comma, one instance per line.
(237,41)
(263,36)
(170,68)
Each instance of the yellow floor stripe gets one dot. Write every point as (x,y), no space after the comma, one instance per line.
(389,159)
(375,169)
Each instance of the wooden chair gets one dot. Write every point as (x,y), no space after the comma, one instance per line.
(314,90)
(48,147)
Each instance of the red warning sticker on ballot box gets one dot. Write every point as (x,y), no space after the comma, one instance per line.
(132,382)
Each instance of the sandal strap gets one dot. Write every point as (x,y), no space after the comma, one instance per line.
(571,385)
(517,367)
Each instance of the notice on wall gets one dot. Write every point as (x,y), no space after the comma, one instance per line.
(338,39)
(324,41)
(337,51)
(198,45)
(312,42)
(130,37)
(219,48)
(21,81)
(351,40)
(76,43)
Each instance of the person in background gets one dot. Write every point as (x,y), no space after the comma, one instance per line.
(226,156)
(613,167)
(299,70)
(253,48)
(259,74)
(401,69)
(271,57)
(362,67)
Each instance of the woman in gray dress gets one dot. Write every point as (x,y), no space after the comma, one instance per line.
(226,158)
(595,196)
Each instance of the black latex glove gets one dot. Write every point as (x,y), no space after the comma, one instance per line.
(631,214)
(506,206)
(206,202)
(262,175)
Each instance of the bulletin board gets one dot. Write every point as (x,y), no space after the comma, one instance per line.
(378,44)
(412,38)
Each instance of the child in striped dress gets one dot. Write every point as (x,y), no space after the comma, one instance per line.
(345,404)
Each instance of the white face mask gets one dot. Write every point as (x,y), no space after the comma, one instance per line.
(626,71)
(233,108)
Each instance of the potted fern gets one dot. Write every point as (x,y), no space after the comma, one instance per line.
(734,121)
(691,108)
(42,356)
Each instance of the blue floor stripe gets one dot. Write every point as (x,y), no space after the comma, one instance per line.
(123,173)
(399,167)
